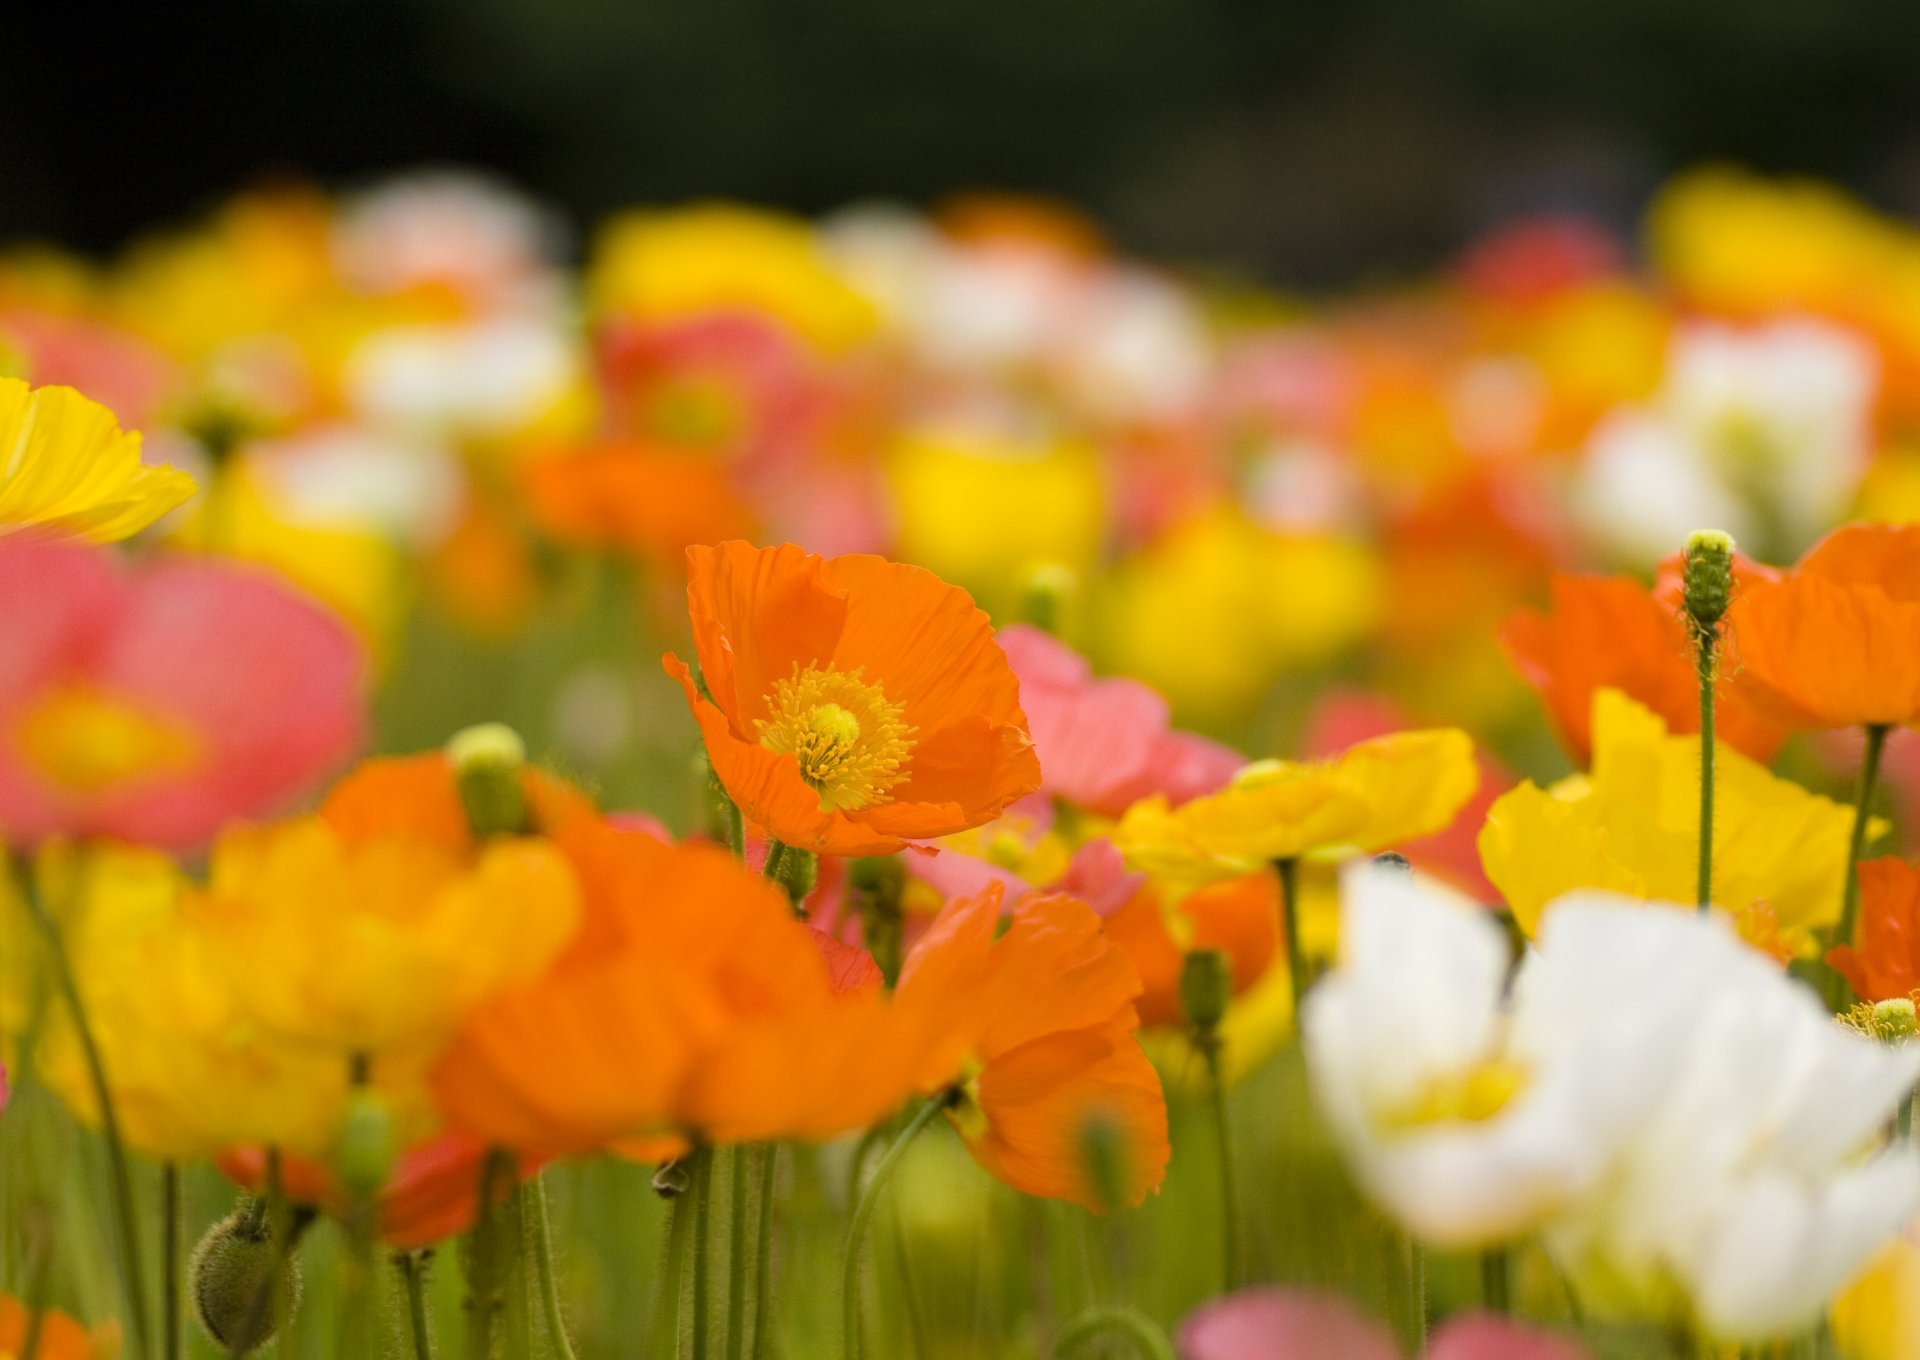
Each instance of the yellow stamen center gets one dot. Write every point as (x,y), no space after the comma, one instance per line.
(850,741)
(1470,1097)
(86,742)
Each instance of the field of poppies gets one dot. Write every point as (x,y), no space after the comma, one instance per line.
(910,785)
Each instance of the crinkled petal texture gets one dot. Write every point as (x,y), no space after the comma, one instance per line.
(1375,794)
(765,616)
(66,466)
(690,1002)
(1037,1028)
(1836,643)
(1613,633)
(1886,963)
(156,703)
(1105,744)
(1632,826)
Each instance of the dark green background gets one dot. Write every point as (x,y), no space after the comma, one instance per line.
(1316,143)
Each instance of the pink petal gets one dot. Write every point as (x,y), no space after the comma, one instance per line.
(1482,1336)
(1284,1324)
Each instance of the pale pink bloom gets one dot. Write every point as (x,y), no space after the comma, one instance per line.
(1301,1324)
(153,703)
(122,372)
(1106,744)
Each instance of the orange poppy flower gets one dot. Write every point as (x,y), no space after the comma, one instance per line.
(1240,917)
(432,1194)
(1613,633)
(852,704)
(651,500)
(1038,1041)
(61,1338)
(1886,962)
(690,1003)
(1836,641)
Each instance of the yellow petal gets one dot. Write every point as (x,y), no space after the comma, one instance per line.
(66,465)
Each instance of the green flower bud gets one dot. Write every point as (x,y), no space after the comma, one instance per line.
(1045,594)
(798,871)
(487,761)
(244,1287)
(1103,1160)
(1707,576)
(364,1158)
(1206,986)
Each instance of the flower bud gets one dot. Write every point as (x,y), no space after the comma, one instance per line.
(1045,595)
(1103,1160)
(364,1157)
(798,871)
(487,761)
(1707,576)
(1206,986)
(244,1287)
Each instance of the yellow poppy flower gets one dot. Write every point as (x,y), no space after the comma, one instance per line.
(1877,1317)
(1372,796)
(66,465)
(190,1071)
(1631,826)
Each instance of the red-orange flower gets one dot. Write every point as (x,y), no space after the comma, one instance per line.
(61,1338)
(648,499)
(1037,1043)
(1613,633)
(851,704)
(690,1003)
(1886,962)
(1240,917)
(1836,641)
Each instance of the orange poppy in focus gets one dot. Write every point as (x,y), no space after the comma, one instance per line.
(652,500)
(432,1194)
(61,1338)
(1240,917)
(1038,1043)
(1602,632)
(691,1002)
(1886,962)
(851,704)
(1836,641)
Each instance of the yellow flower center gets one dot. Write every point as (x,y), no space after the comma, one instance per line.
(86,742)
(1470,1097)
(849,740)
(969,1117)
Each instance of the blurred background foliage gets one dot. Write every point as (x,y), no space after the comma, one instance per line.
(1305,143)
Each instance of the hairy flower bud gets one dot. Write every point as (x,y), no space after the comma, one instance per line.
(1206,986)
(487,761)
(364,1157)
(1708,576)
(244,1287)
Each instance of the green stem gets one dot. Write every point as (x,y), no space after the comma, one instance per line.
(483,1283)
(1229,1219)
(1288,871)
(170,1283)
(1148,1340)
(666,1315)
(413,1269)
(1903,1122)
(1417,1293)
(518,1308)
(134,1276)
(702,1194)
(737,1252)
(1706,643)
(777,852)
(862,1216)
(763,1251)
(543,1265)
(1496,1281)
(1856,845)
(36,1301)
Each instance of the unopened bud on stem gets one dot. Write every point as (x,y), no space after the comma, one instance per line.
(487,761)
(1707,576)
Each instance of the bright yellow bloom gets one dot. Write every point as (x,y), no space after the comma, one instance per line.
(1373,795)
(191,1072)
(1877,1317)
(381,943)
(716,258)
(1631,826)
(66,465)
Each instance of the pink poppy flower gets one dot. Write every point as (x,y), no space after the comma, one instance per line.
(1105,744)
(1302,1324)
(152,703)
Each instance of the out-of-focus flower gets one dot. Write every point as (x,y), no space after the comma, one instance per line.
(487,380)
(1886,962)
(485,245)
(69,468)
(374,927)
(1765,434)
(719,259)
(1632,825)
(1836,641)
(1370,797)
(1270,1323)
(1037,1042)
(1613,633)
(153,704)
(650,500)
(852,704)
(1877,1317)
(1105,744)
(690,1003)
(190,1069)
(433,1193)
(1240,917)
(61,1337)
